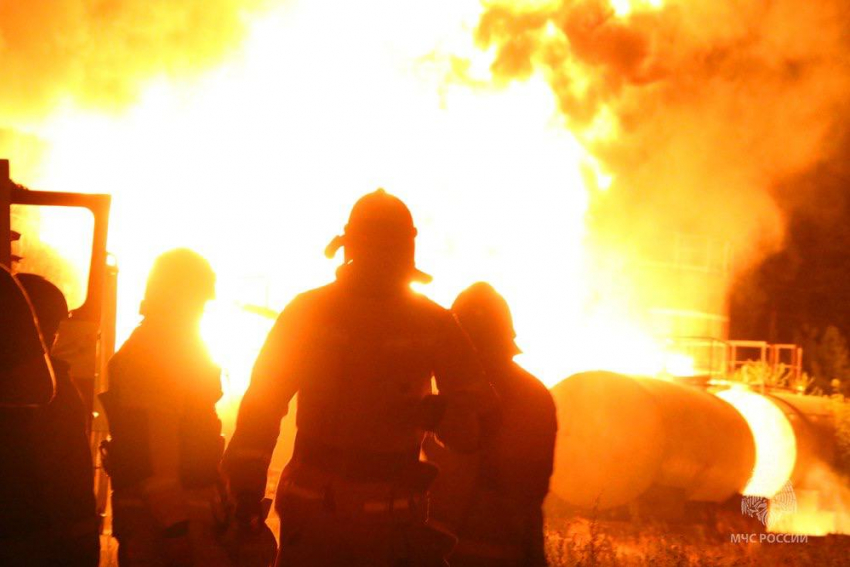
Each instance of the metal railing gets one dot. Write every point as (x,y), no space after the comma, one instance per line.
(721,359)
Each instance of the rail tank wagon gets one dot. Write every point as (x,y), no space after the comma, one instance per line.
(620,436)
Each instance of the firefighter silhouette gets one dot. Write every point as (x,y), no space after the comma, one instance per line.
(360,353)
(26,375)
(493,499)
(46,490)
(166,444)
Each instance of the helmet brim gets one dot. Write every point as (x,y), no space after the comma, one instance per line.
(338,242)
(419,276)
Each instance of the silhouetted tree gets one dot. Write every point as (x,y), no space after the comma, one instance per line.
(826,357)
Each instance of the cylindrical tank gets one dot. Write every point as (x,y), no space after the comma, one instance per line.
(793,433)
(814,430)
(620,435)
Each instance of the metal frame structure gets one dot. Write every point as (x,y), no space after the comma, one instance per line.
(774,355)
(94,320)
(13,194)
(720,359)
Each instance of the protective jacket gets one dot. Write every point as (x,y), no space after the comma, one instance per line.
(361,360)
(492,499)
(361,364)
(46,485)
(26,377)
(165,433)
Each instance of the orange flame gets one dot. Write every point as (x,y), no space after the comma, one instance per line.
(256,161)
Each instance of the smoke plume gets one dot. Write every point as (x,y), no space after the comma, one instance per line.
(99,53)
(699,110)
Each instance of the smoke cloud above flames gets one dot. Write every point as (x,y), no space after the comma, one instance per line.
(696,109)
(99,53)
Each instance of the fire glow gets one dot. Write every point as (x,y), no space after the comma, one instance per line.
(256,162)
(252,152)
(537,143)
(776,445)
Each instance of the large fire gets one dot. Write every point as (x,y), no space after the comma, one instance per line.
(256,162)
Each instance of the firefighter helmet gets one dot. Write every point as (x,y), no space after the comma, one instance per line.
(486,317)
(26,374)
(48,303)
(380,224)
(180,279)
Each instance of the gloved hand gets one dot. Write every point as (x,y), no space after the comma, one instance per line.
(177,547)
(430,412)
(249,512)
(248,541)
(250,545)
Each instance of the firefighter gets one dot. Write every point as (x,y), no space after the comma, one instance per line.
(360,353)
(26,376)
(165,448)
(49,513)
(493,500)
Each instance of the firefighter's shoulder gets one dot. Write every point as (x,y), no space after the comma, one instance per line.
(307,304)
(140,373)
(532,387)
(130,354)
(430,310)
(530,382)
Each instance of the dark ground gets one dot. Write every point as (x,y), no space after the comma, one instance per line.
(585,543)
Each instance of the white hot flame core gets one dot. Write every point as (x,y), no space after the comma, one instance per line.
(776,444)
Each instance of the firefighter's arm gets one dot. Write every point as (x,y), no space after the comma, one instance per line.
(467,401)
(266,402)
(26,375)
